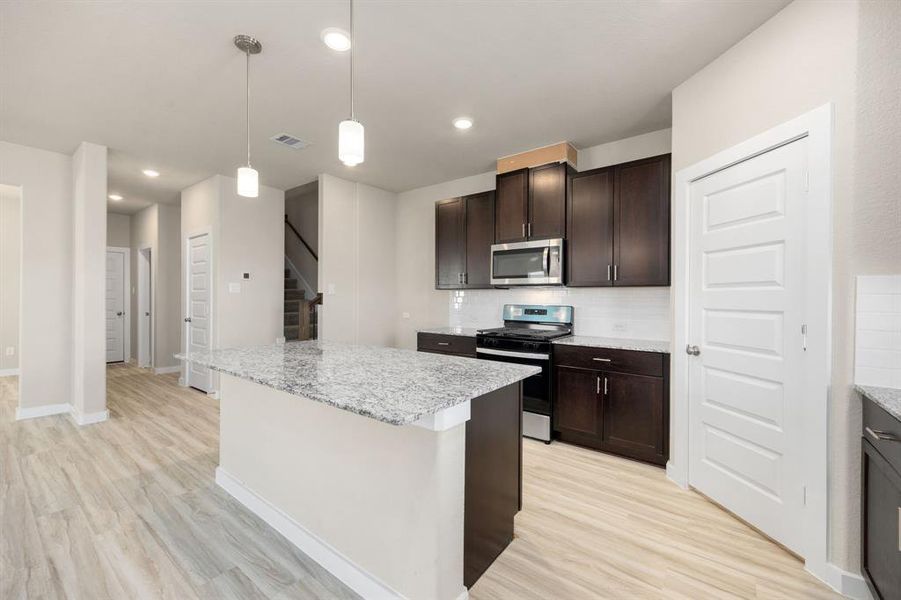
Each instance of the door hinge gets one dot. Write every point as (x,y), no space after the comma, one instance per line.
(804,337)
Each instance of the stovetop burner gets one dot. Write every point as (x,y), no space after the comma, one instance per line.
(524,333)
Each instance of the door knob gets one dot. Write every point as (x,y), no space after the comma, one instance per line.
(187,319)
(146,314)
(119,314)
(692,350)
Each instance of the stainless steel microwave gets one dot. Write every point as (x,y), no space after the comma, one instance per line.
(527,263)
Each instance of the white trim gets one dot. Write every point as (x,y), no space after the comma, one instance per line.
(9,372)
(352,575)
(89,418)
(851,585)
(42,411)
(816,125)
(126,299)
(165,370)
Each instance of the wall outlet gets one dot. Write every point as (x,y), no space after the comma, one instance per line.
(405,315)
(246,275)
(10,350)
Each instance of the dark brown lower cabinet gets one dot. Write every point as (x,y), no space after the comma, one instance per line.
(881,503)
(617,412)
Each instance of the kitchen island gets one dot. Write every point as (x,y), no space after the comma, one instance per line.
(397,471)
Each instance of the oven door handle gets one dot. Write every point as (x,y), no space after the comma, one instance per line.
(513,354)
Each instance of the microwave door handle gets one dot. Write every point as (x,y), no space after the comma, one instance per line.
(547,261)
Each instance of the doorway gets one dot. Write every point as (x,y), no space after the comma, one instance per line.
(10,278)
(751,292)
(145,307)
(198,308)
(117,317)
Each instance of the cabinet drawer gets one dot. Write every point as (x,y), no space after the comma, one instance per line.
(604,359)
(446,344)
(878,425)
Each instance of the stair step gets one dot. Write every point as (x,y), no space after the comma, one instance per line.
(292,332)
(293,294)
(292,318)
(290,284)
(292,306)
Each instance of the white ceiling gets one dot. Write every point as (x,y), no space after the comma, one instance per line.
(161,84)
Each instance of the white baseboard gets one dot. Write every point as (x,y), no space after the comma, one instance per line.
(214,394)
(353,576)
(676,475)
(89,418)
(851,585)
(42,411)
(164,370)
(9,372)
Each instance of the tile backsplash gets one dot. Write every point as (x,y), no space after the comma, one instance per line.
(877,350)
(642,313)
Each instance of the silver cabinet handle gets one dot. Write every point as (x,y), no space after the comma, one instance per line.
(882,435)
(692,350)
(615,276)
(608,273)
(597,388)
(602,359)
(523,230)
(465,278)
(605,385)
(530,230)
(444,343)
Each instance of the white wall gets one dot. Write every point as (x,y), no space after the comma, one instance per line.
(118,230)
(357,225)
(10,256)
(45,347)
(420,305)
(802,58)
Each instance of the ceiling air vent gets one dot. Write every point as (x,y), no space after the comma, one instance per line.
(286,139)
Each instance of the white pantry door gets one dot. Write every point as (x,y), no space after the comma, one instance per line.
(198,326)
(746,300)
(115,306)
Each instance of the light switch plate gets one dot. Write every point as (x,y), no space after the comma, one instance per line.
(10,350)
(234,288)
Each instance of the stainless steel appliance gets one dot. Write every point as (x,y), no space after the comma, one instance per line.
(525,339)
(527,263)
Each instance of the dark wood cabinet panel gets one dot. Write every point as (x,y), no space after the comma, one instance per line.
(633,415)
(458,345)
(610,359)
(880,526)
(589,233)
(479,237)
(450,235)
(641,214)
(577,405)
(512,206)
(547,201)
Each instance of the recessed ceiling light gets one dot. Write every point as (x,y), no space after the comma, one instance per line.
(336,39)
(150,173)
(462,122)
(114,197)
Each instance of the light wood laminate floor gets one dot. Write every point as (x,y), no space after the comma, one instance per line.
(128,509)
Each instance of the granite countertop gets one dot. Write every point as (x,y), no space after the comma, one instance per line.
(887,398)
(615,343)
(461,331)
(387,384)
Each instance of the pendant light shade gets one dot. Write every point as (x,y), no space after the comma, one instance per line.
(350,142)
(248,182)
(248,178)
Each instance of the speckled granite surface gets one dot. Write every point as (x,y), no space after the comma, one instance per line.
(615,343)
(462,331)
(887,398)
(387,384)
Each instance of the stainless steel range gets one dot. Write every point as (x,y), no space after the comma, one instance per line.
(526,339)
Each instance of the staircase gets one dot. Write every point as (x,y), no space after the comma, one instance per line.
(300,313)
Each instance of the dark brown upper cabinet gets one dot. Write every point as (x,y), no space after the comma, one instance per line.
(618,225)
(531,203)
(589,239)
(641,220)
(512,206)
(464,232)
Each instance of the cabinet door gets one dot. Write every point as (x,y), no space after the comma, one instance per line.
(547,201)
(479,237)
(881,524)
(589,231)
(450,231)
(511,206)
(577,406)
(641,215)
(633,416)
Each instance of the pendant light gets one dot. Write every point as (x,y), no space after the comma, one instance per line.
(248,178)
(350,131)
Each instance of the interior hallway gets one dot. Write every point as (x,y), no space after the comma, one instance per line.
(128,509)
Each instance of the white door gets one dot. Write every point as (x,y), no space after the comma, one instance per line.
(115,306)
(746,300)
(145,303)
(198,326)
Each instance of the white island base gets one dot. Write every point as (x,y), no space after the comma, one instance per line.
(379,506)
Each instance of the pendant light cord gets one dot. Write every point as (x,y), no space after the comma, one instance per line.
(247,103)
(352,42)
